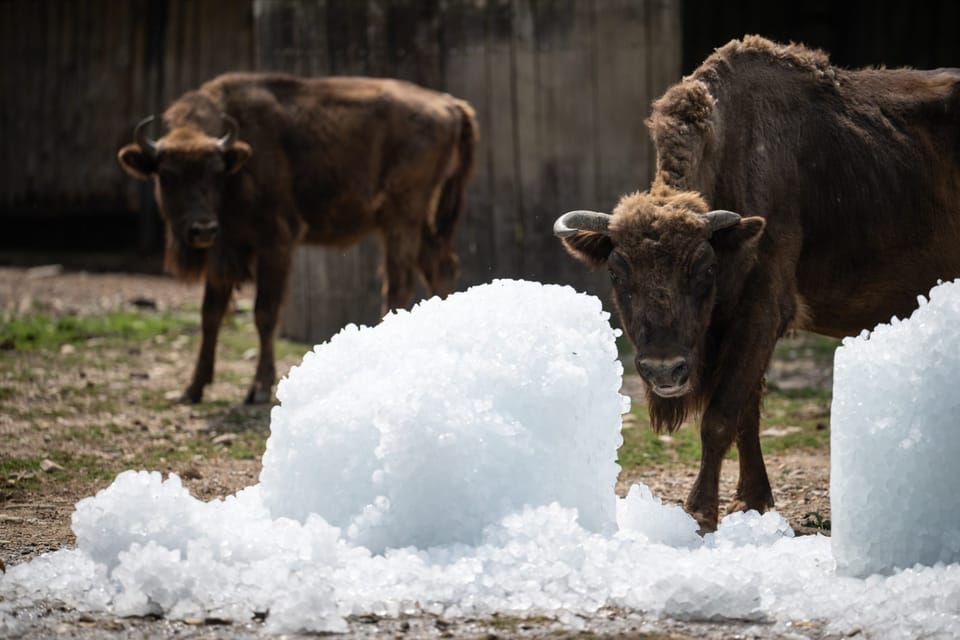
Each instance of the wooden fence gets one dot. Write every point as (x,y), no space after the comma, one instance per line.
(561,89)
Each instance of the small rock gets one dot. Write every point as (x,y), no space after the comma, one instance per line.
(225,438)
(44,271)
(778,432)
(49,466)
(250,354)
(67,349)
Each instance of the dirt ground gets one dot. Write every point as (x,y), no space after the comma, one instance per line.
(38,520)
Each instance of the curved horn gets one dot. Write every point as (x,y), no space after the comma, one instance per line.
(141,137)
(230,136)
(720,219)
(573,221)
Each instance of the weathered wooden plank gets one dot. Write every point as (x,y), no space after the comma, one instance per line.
(665,51)
(525,114)
(623,100)
(565,123)
(466,76)
(504,214)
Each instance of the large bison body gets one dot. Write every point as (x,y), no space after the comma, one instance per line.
(789,193)
(253,164)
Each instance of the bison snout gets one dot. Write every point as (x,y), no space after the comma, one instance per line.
(667,377)
(202,234)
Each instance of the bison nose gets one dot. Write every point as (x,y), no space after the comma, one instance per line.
(667,376)
(202,234)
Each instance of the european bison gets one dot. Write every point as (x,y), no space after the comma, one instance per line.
(253,164)
(849,181)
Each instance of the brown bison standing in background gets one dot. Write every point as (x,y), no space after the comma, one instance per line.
(851,181)
(323,161)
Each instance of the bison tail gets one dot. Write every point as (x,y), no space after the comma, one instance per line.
(454,189)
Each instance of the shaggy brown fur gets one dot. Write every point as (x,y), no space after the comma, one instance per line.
(323,160)
(849,184)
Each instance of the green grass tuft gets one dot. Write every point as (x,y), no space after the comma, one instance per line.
(42,331)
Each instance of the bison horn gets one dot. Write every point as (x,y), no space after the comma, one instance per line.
(141,137)
(720,219)
(573,221)
(230,136)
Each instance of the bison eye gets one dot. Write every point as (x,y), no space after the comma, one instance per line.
(614,277)
(704,279)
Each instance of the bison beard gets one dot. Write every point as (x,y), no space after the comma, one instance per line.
(849,181)
(322,160)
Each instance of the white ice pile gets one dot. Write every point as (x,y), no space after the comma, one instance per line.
(457,460)
(895,441)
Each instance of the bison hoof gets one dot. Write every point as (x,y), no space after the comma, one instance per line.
(191,397)
(739,504)
(257,395)
(706,522)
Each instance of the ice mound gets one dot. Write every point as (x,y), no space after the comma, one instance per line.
(895,441)
(477,478)
(440,422)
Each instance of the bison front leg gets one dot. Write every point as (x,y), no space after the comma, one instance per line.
(733,415)
(216,298)
(753,487)
(272,275)
(717,433)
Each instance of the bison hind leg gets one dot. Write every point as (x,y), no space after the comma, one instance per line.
(439,264)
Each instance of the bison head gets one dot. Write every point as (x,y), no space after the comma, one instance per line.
(670,260)
(189,169)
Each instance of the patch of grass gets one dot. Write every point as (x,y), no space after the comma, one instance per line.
(806,410)
(245,446)
(806,345)
(10,465)
(93,434)
(82,466)
(643,447)
(43,331)
(18,476)
(805,393)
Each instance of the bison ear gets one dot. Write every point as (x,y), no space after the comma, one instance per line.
(744,233)
(589,247)
(236,155)
(136,161)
